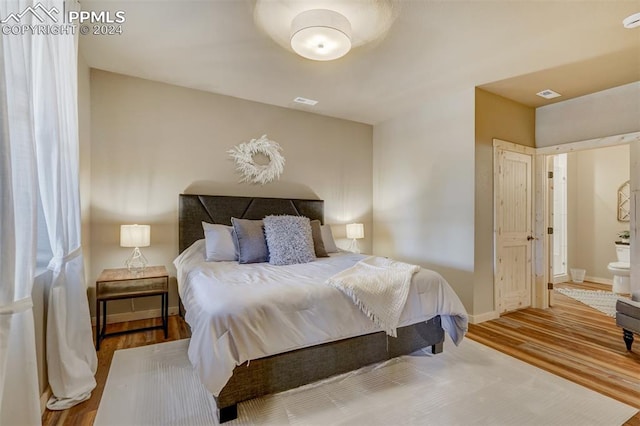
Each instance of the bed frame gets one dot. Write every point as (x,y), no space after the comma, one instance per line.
(292,369)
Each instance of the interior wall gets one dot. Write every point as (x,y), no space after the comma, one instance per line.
(594,178)
(152,141)
(423,185)
(635,214)
(606,113)
(495,118)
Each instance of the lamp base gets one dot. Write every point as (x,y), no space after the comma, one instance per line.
(353,247)
(136,263)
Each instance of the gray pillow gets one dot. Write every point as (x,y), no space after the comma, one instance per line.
(252,247)
(289,239)
(318,245)
(327,239)
(219,242)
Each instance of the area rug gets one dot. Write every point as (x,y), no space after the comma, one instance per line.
(469,384)
(604,301)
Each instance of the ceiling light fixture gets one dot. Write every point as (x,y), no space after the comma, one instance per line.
(321,35)
(347,24)
(632,21)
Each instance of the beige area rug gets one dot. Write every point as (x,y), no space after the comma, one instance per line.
(466,385)
(604,301)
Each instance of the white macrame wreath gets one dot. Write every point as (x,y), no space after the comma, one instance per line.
(253,172)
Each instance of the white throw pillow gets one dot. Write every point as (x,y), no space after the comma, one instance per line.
(219,242)
(327,239)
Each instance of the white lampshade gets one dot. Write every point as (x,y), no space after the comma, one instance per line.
(355,231)
(321,35)
(135,236)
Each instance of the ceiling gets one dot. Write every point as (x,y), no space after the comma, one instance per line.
(511,48)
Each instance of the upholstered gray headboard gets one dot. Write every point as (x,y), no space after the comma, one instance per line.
(195,209)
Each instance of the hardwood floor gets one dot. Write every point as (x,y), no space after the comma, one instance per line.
(83,414)
(570,339)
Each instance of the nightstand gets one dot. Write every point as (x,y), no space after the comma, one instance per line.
(113,284)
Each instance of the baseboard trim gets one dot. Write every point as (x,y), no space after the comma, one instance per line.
(599,280)
(44,398)
(136,315)
(486,316)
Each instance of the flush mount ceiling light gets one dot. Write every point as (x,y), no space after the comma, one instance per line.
(321,35)
(324,29)
(632,21)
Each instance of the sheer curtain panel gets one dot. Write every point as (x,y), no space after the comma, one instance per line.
(71,357)
(19,396)
(40,168)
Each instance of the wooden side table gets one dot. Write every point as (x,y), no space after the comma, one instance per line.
(113,284)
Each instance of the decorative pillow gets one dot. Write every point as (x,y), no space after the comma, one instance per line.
(252,247)
(316,234)
(327,239)
(289,239)
(219,243)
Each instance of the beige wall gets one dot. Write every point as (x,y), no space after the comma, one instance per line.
(495,118)
(607,113)
(635,214)
(152,141)
(593,180)
(423,185)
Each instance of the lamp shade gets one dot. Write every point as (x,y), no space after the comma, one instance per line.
(321,35)
(135,235)
(355,231)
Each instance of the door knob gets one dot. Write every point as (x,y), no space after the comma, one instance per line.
(529,238)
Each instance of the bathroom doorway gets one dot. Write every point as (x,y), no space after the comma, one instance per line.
(579,211)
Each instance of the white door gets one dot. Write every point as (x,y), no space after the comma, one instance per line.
(513,227)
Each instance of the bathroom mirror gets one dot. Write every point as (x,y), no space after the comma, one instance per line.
(624,202)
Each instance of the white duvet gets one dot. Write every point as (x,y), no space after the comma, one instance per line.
(239,313)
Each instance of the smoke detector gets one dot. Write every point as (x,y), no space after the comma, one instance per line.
(632,21)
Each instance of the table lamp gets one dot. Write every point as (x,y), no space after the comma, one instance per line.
(135,236)
(355,231)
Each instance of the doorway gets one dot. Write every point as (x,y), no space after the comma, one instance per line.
(549,211)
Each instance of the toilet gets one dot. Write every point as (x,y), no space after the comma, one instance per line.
(621,270)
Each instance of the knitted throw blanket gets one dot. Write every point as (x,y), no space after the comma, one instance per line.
(379,287)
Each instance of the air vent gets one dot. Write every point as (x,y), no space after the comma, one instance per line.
(548,94)
(305,101)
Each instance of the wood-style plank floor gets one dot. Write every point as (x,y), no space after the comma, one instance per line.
(570,339)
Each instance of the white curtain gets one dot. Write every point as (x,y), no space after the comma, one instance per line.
(19,396)
(71,357)
(45,164)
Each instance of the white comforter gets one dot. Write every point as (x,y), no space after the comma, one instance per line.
(244,312)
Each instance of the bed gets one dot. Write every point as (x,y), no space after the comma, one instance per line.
(240,359)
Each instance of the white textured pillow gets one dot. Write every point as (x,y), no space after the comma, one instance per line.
(327,239)
(289,239)
(219,243)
